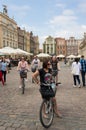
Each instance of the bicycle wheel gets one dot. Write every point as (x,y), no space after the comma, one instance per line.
(23,86)
(46,109)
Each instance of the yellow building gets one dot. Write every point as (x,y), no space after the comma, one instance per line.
(8,30)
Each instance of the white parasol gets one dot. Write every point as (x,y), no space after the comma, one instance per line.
(71,56)
(61,56)
(43,55)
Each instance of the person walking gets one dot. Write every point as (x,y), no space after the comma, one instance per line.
(83,69)
(4,68)
(55,67)
(1,76)
(76,68)
(43,73)
(35,65)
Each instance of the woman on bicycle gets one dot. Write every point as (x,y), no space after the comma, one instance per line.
(41,73)
(22,65)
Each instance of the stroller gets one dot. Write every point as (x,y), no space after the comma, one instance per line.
(1,78)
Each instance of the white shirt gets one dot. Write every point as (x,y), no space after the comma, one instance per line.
(36,62)
(76,67)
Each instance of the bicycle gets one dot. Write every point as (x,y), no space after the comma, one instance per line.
(47,105)
(23,75)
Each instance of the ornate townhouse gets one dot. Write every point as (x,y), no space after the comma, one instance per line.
(34,44)
(15,37)
(82,47)
(49,45)
(8,30)
(60,46)
(72,46)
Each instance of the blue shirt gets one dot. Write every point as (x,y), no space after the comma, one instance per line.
(83,65)
(4,66)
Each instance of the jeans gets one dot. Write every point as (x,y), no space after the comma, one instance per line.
(4,75)
(76,78)
(83,77)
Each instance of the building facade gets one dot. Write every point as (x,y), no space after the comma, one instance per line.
(82,47)
(15,37)
(34,44)
(20,38)
(60,46)
(49,46)
(72,46)
(8,30)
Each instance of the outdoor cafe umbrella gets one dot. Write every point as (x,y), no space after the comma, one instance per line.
(60,56)
(71,56)
(43,55)
(1,54)
(78,56)
(20,51)
(7,50)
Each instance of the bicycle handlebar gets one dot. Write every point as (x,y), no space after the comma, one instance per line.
(50,84)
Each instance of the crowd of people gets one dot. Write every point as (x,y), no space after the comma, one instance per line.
(79,69)
(49,66)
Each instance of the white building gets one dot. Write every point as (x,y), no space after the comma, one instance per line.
(49,46)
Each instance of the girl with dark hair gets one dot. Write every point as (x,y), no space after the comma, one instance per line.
(45,70)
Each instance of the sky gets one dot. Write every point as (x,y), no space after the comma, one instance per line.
(56,18)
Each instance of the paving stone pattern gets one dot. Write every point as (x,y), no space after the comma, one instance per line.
(21,112)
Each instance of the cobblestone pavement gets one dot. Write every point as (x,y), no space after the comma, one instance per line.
(21,112)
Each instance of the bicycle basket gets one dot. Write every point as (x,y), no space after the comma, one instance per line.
(33,69)
(47,92)
(23,74)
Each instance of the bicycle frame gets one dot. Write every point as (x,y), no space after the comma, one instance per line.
(23,76)
(23,85)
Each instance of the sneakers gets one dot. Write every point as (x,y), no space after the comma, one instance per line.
(26,80)
(74,86)
(79,86)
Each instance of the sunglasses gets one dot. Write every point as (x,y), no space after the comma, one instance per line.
(48,64)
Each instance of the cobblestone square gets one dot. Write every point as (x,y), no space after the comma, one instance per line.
(21,112)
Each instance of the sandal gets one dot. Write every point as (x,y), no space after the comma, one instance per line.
(58,114)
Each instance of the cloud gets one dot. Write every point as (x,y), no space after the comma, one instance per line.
(82,7)
(66,25)
(83,27)
(60,5)
(68,12)
(67,18)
